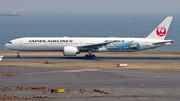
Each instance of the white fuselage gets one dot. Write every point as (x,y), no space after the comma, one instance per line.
(58,43)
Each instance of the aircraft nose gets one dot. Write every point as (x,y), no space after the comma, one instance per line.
(8,45)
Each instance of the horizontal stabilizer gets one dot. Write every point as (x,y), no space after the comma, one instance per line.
(163,42)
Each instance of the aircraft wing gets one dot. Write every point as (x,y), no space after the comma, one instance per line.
(163,42)
(95,46)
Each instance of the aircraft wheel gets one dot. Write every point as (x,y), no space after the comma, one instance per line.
(93,56)
(18,56)
(90,56)
(86,56)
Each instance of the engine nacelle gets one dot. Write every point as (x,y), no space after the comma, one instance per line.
(70,51)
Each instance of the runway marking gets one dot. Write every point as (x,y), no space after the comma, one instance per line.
(67,71)
(1,57)
(81,70)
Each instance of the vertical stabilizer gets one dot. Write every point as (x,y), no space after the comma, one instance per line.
(161,30)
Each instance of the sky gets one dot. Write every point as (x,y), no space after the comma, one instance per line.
(127,6)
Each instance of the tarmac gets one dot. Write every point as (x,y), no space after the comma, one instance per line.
(98,59)
(92,84)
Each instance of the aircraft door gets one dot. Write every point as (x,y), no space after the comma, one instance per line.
(20,43)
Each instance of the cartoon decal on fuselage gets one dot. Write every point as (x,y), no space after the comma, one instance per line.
(125,45)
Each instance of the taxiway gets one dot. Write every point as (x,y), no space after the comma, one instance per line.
(126,85)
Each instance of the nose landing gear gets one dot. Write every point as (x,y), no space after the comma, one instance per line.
(18,56)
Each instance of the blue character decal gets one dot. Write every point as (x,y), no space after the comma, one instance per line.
(125,45)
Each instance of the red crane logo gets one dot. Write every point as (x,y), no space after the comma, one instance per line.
(161,31)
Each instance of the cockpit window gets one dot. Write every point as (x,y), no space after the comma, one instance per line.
(9,42)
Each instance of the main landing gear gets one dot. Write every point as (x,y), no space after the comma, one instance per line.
(90,55)
(18,56)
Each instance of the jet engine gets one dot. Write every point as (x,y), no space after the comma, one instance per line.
(70,51)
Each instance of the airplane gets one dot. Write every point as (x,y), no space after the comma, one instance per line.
(71,46)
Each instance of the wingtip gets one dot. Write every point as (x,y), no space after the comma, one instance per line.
(169,16)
